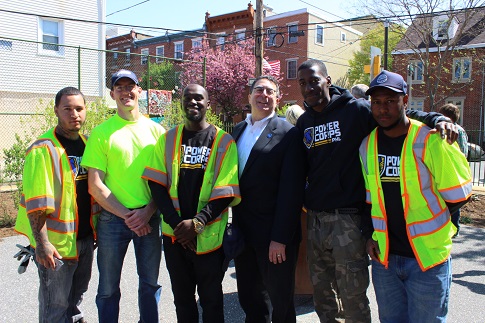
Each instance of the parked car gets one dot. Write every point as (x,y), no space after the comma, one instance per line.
(475,153)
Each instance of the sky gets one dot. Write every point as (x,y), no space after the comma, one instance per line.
(190,14)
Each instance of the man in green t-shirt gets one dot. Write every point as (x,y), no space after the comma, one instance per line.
(115,156)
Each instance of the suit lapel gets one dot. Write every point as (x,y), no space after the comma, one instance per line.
(238,130)
(264,139)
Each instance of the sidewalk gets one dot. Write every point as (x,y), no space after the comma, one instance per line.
(18,293)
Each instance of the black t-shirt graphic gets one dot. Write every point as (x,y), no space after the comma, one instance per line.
(389,150)
(75,150)
(195,150)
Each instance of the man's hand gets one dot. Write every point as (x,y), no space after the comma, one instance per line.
(137,220)
(447,130)
(185,232)
(45,253)
(372,248)
(277,252)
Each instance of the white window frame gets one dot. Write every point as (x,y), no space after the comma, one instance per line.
(415,77)
(292,39)
(127,56)
(144,56)
(461,61)
(293,74)
(416,103)
(240,34)
(271,34)
(197,43)
(178,53)
(157,53)
(343,37)
(460,103)
(322,28)
(443,28)
(59,35)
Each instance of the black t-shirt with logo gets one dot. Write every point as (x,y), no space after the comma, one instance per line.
(389,150)
(195,150)
(75,150)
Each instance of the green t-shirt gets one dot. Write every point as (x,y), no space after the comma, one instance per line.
(120,149)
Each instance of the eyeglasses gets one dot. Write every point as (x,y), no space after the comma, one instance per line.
(261,89)
(127,88)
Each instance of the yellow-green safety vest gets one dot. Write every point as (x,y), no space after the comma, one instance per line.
(432,172)
(49,184)
(220,180)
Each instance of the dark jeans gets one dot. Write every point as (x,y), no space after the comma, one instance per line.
(187,271)
(61,292)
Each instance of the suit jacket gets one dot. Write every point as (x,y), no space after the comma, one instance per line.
(272,185)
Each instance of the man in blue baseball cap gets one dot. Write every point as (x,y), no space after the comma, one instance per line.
(413,183)
(116,155)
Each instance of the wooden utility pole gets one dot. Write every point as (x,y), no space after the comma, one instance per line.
(258,45)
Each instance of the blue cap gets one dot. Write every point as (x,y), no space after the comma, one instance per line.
(390,80)
(122,74)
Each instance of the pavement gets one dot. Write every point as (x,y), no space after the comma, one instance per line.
(18,293)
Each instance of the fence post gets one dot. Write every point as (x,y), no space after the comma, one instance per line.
(79,67)
(148,76)
(204,66)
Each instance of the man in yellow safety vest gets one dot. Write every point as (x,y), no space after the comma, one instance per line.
(413,179)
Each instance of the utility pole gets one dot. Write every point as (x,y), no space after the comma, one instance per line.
(386,42)
(258,46)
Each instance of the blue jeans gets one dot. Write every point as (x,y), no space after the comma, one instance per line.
(404,293)
(61,292)
(113,239)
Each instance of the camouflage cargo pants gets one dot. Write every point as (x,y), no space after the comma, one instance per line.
(338,261)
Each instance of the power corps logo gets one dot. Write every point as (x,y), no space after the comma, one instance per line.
(322,134)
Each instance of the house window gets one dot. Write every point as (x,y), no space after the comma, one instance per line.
(416,104)
(51,31)
(291,30)
(416,71)
(459,102)
(240,34)
(160,52)
(127,56)
(291,65)
(179,50)
(343,37)
(5,45)
(271,32)
(115,55)
(444,27)
(462,69)
(220,41)
(197,43)
(319,35)
(144,56)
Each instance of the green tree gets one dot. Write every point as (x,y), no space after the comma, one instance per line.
(374,37)
(160,76)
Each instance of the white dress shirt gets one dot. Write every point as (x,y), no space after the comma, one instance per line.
(249,137)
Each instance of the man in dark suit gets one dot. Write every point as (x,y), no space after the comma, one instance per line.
(271,181)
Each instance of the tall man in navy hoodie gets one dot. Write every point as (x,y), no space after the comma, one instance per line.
(333,127)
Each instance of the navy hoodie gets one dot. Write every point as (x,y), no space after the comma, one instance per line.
(332,139)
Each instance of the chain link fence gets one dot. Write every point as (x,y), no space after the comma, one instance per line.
(33,72)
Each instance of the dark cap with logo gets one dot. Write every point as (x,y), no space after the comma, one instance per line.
(390,80)
(122,74)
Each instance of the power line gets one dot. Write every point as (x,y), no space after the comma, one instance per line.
(139,3)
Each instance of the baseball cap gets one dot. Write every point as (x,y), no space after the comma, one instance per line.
(121,74)
(390,80)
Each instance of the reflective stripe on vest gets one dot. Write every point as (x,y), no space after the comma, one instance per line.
(57,177)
